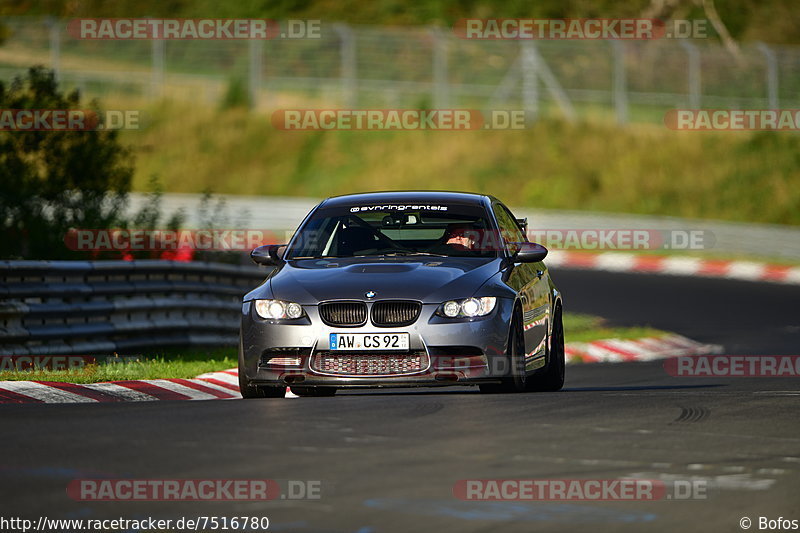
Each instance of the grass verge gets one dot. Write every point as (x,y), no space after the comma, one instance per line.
(174,363)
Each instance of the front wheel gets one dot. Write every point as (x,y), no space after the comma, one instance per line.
(515,353)
(552,379)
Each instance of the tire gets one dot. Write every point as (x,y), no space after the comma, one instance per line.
(552,379)
(255,391)
(316,392)
(515,352)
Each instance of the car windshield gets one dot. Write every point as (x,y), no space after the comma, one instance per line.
(396,230)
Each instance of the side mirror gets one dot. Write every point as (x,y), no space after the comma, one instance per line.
(530,252)
(267,254)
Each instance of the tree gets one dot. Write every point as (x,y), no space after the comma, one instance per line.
(51,181)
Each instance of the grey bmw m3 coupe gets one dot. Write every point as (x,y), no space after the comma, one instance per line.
(400,289)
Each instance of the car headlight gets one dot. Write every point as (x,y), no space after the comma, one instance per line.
(277,309)
(470,307)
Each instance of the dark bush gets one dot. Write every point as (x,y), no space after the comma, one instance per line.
(51,181)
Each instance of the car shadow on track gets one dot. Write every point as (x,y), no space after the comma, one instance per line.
(474,390)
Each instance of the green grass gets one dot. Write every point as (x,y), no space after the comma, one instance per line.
(645,169)
(579,327)
(190,363)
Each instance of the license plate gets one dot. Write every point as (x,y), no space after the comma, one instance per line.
(369,341)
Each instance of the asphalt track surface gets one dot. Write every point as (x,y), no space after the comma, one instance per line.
(388,460)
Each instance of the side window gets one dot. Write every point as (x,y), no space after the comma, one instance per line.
(508,227)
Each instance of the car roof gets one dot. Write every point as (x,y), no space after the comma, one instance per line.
(412,197)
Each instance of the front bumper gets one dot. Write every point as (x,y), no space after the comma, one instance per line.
(467,351)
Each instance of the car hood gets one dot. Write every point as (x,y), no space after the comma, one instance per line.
(428,279)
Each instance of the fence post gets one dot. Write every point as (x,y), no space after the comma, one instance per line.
(157,75)
(772,75)
(441,91)
(530,78)
(347,55)
(693,73)
(620,83)
(55,47)
(255,49)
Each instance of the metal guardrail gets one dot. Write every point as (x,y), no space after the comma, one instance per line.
(102,307)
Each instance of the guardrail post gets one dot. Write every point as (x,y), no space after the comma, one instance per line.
(348,68)
(772,75)
(256,48)
(693,73)
(157,75)
(530,78)
(620,85)
(441,91)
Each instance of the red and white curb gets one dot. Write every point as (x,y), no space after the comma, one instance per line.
(224,385)
(676,266)
(644,349)
(213,386)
